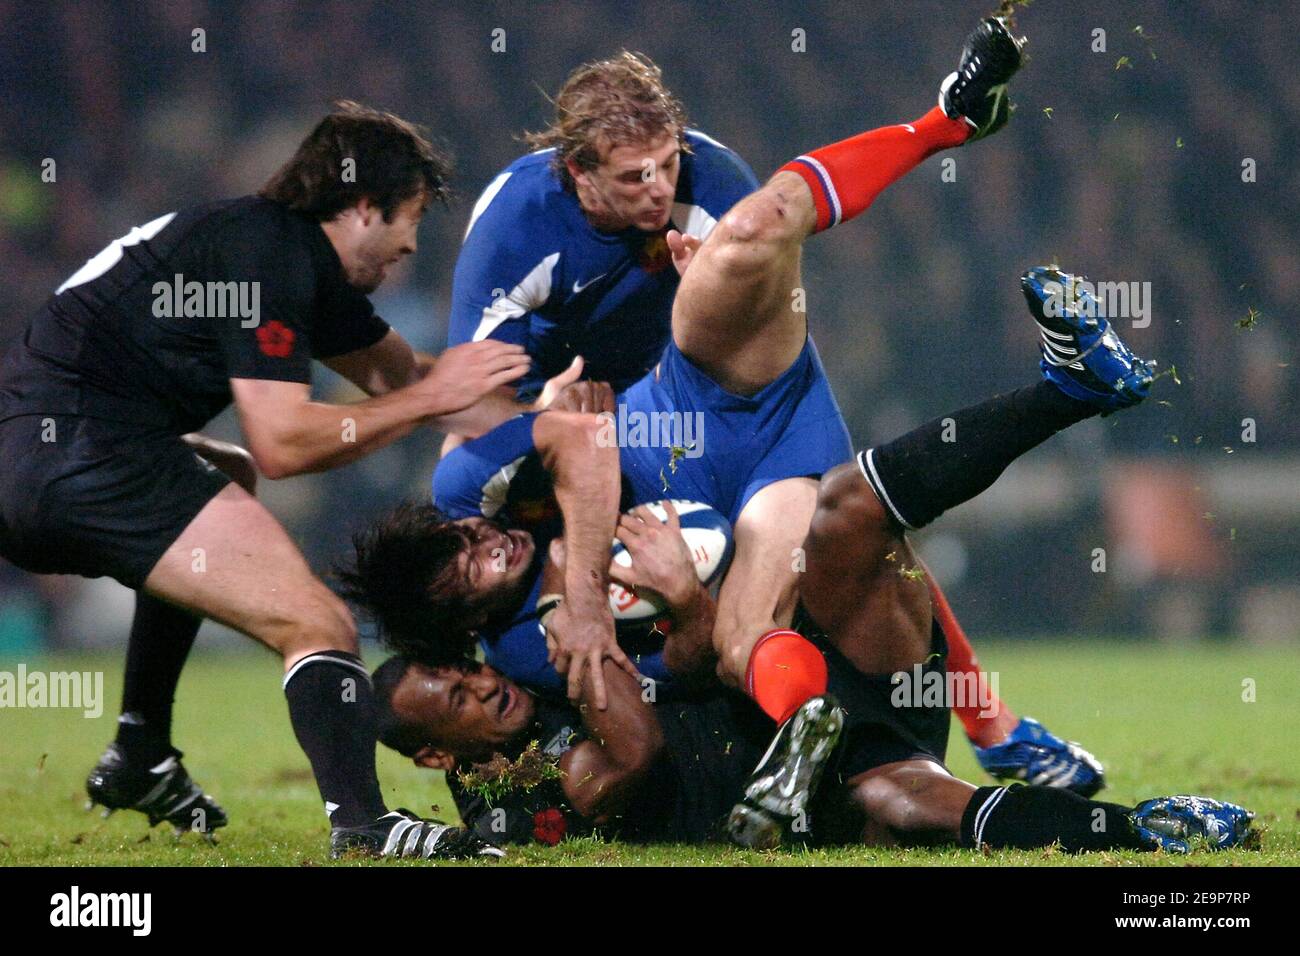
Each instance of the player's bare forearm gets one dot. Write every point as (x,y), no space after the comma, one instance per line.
(585,471)
(688,649)
(324,436)
(288,437)
(483,416)
(603,772)
(288,434)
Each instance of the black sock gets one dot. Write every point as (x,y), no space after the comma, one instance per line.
(1028,817)
(952,459)
(332,707)
(161,637)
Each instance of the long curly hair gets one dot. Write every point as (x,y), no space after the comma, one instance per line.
(617,101)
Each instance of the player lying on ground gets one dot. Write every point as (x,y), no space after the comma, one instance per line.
(151,339)
(668,772)
(576,233)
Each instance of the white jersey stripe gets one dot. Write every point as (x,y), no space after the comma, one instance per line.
(485,200)
(530,294)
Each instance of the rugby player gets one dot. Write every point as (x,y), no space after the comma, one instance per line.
(565,252)
(669,772)
(147,342)
(580,208)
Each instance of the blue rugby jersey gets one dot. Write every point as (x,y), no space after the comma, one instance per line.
(534,271)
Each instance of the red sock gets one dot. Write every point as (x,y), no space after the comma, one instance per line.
(784,670)
(847,176)
(982,731)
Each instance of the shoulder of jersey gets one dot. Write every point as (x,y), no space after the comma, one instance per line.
(708,162)
(703,142)
(526,186)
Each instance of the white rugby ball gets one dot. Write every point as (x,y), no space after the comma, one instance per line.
(707,533)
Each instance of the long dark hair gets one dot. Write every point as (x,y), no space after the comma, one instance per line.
(392,162)
(407,578)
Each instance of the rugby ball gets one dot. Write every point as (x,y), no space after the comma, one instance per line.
(707,533)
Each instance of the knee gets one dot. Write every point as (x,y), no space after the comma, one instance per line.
(899,801)
(848,508)
(318,622)
(749,230)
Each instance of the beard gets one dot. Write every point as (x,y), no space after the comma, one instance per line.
(366,276)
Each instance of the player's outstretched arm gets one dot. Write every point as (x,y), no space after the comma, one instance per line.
(381,368)
(289,434)
(585,472)
(603,773)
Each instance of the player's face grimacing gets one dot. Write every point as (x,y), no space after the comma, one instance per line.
(466,714)
(378,243)
(494,565)
(633,186)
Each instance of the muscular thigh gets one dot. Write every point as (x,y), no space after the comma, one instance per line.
(863,585)
(740,313)
(236,564)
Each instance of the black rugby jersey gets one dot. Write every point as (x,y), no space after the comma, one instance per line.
(150,331)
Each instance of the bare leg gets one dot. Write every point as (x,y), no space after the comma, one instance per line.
(235,564)
(864,585)
(162,635)
(913,802)
(760,590)
(734,313)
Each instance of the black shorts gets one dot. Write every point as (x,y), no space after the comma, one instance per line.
(96,498)
(713,743)
(882,725)
(711,746)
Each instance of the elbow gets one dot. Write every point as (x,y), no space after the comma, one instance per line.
(273,463)
(603,796)
(642,754)
(604,793)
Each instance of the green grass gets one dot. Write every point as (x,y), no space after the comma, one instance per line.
(1163,719)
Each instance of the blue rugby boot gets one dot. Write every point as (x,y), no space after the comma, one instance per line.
(1179,824)
(1082,354)
(1035,755)
(977,92)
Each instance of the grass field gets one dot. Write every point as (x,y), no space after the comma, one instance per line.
(1163,719)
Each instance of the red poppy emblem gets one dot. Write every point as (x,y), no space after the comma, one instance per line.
(275,339)
(549,826)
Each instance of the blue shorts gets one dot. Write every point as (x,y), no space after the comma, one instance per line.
(682,435)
